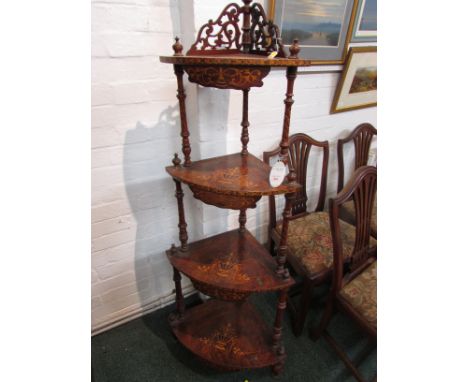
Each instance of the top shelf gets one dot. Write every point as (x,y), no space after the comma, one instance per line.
(237,59)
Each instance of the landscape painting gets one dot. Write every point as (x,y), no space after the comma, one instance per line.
(357,87)
(368,17)
(364,80)
(364,24)
(314,23)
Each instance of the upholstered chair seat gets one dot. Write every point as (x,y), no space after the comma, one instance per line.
(310,242)
(361,294)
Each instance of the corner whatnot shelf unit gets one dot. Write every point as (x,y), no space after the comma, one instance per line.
(236,51)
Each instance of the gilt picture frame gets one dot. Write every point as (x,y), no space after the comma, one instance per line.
(364,21)
(357,87)
(323,27)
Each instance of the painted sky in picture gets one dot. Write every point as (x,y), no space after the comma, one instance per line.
(369,16)
(314,23)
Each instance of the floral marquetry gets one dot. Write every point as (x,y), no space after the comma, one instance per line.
(231,261)
(228,267)
(224,340)
(229,336)
(228,77)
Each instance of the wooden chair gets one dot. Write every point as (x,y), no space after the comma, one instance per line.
(362,137)
(310,249)
(354,285)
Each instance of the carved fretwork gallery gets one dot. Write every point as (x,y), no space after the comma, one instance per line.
(235,51)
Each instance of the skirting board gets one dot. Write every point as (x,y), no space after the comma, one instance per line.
(125,316)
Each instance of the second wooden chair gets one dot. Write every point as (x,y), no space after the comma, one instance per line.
(354,287)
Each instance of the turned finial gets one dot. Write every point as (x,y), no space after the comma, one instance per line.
(173,248)
(176,161)
(177,47)
(247,2)
(294,49)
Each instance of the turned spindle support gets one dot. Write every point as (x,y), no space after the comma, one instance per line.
(183,236)
(281,270)
(246,38)
(291,75)
(245,121)
(184,132)
(242,220)
(178,315)
(277,333)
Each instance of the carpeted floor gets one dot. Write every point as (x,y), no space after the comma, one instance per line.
(145,350)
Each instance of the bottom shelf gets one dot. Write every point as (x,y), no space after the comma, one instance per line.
(227,335)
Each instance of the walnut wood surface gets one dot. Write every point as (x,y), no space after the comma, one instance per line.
(228,335)
(231,52)
(236,59)
(235,174)
(229,262)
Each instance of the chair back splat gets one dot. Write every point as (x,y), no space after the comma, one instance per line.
(362,137)
(362,189)
(299,150)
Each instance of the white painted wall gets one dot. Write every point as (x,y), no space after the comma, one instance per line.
(135,131)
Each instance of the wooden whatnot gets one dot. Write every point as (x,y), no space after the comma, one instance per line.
(232,52)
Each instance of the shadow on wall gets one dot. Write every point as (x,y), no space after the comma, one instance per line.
(150,191)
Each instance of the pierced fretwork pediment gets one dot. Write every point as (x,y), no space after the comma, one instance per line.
(239,29)
(263,33)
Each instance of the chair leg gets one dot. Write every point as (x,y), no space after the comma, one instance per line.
(343,357)
(301,312)
(316,333)
(371,344)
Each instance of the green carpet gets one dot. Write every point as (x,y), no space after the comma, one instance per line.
(145,350)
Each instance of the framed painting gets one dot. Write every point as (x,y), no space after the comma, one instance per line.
(364,21)
(322,27)
(357,87)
